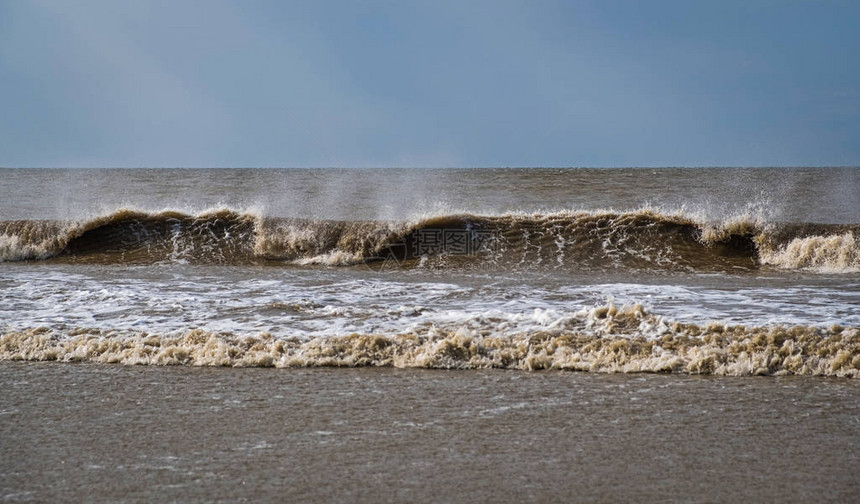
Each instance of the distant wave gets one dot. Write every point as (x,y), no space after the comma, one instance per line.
(638,240)
(606,339)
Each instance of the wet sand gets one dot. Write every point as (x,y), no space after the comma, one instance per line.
(112,433)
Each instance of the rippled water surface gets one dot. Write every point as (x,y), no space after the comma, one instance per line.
(129,434)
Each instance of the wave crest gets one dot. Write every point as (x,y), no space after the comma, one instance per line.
(640,240)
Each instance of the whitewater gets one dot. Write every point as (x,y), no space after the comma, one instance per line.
(699,271)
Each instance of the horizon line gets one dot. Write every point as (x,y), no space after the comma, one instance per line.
(391,167)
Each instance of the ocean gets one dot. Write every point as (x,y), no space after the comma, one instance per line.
(681,334)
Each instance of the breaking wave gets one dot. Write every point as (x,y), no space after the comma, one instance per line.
(640,240)
(606,339)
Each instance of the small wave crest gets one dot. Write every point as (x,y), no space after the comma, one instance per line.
(836,253)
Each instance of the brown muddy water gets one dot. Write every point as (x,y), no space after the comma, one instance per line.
(204,324)
(108,433)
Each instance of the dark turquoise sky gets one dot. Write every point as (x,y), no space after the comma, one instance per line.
(429,83)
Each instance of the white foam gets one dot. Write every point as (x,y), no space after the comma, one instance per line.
(336,302)
(838,253)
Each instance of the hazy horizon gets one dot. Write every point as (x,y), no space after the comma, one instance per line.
(738,167)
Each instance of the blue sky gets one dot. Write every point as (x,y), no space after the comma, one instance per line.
(421,83)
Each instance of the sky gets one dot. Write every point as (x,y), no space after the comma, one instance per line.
(248,83)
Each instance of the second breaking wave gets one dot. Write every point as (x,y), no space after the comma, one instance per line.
(605,339)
